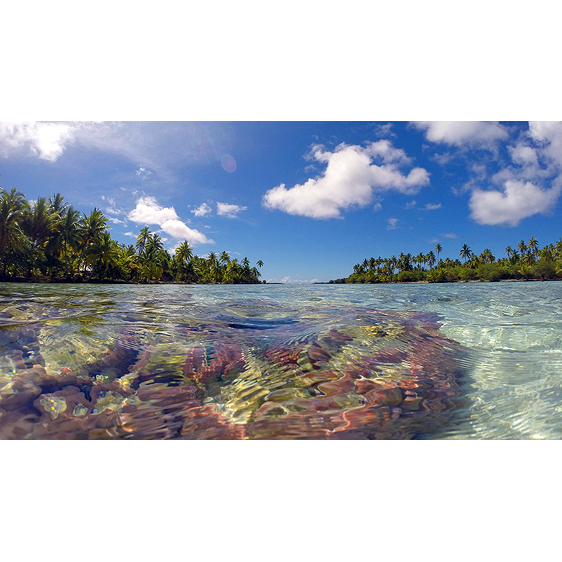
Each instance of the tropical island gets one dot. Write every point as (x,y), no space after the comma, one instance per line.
(527,262)
(47,240)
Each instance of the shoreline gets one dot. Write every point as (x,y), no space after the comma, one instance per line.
(441,282)
(115,282)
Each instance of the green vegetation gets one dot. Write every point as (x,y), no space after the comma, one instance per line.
(47,240)
(527,262)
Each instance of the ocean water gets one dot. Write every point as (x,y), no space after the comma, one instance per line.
(419,361)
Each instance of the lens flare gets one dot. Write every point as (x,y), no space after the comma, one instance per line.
(228,163)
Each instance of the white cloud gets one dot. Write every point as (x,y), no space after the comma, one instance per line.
(410,204)
(44,140)
(350,179)
(392,224)
(178,229)
(432,206)
(463,133)
(449,235)
(148,211)
(229,210)
(387,152)
(143,172)
(384,130)
(549,132)
(115,220)
(202,210)
(517,201)
(160,146)
(131,234)
(523,155)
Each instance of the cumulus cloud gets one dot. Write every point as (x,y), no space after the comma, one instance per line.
(202,210)
(229,210)
(530,187)
(432,206)
(350,179)
(523,155)
(517,201)
(463,133)
(148,211)
(549,134)
(384,130)
(392,224)
(44,140)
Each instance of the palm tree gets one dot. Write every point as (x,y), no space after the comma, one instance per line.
(533,246)
(39,225)
(259,263)
(12,207)
(91,228)
(102,254)
(431,259)
(224,258)
(142,239)
(487,257)
(214,266)
(57,204)
(184,254)
(522,247)
(465,252)
(69,234)
(509,251)
(438,249)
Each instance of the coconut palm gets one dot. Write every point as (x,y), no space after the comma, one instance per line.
(39,225)
(142,239)
(487,257)
(102,255)
(69,234)
(438,249)
(183,257)
(224,258)
(91,228)
(431,259)
(57,204)
(12,237)
(533,246)
(465,252)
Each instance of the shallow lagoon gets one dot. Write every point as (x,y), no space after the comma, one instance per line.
(447,361)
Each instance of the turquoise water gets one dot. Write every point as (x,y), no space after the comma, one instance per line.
(447,361)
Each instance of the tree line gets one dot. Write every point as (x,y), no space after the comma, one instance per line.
(526,261)
(48,239)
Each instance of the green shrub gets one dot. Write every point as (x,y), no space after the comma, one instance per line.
(436,276)
(543,270)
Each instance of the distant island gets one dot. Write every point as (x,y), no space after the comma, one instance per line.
(49,241)
(527,262)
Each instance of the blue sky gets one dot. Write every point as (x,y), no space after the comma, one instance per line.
(310,199)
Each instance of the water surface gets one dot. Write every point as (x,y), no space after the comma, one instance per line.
(470,361)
